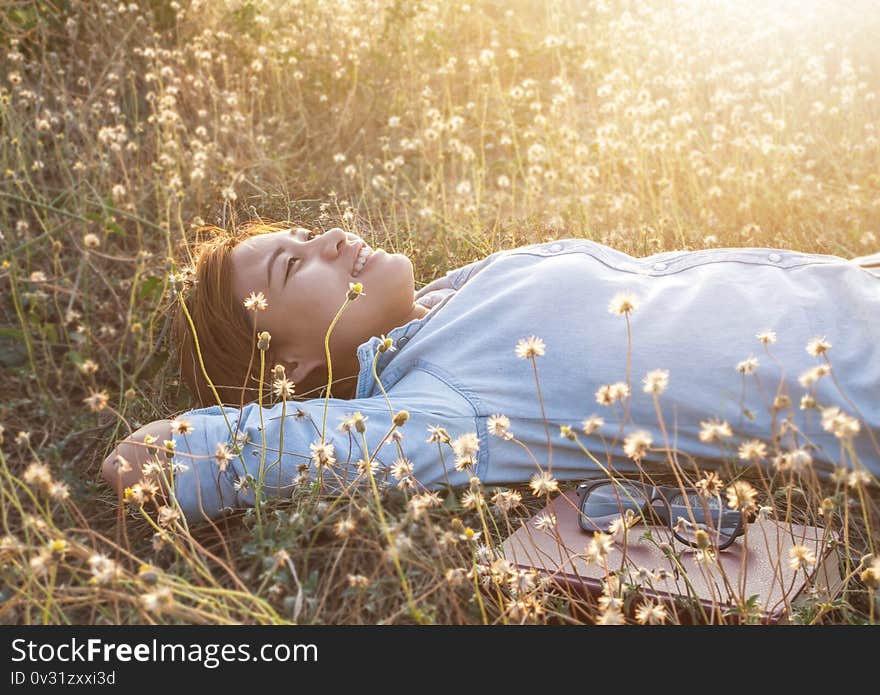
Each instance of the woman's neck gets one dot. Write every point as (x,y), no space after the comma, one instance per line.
(419,311)
(347,387)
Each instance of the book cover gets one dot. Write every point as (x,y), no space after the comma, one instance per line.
(756,566)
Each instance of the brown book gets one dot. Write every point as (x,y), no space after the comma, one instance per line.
(757,564)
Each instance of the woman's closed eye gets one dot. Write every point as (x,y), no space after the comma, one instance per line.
(289,266)
(293,259)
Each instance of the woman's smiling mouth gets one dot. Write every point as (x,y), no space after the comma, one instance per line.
(363,255)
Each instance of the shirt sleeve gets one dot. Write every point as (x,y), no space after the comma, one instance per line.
(207,483)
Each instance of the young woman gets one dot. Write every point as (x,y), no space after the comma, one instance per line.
(719,348)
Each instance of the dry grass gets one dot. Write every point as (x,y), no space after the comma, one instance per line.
(442,130)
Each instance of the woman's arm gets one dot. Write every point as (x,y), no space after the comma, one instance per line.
(122,468)
(215,471)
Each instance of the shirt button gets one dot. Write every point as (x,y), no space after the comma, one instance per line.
(774,257)
(659,266)
(403,340)
(556,248)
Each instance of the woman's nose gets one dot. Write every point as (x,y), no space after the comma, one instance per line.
(334,241)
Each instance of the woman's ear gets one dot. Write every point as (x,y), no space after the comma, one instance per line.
(296,370)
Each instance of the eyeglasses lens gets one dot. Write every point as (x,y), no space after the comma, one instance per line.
(709,514)
(604,503)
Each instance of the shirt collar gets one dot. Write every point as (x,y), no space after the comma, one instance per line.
(400,336)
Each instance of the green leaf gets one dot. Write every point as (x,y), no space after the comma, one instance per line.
(50,332)
(12,352)
(150,289)
(451,501)
(25,18)
(75,357)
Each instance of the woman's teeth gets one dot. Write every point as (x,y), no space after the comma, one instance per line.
(364,254)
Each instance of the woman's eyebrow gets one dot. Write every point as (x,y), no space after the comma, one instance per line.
(277,252)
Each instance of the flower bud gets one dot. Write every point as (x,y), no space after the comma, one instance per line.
(781,402)
(148,575)
(401,417)
(360,423)
(354,290)
(871,577)
(827,507)
(701,538)
(263,341)
(566,432)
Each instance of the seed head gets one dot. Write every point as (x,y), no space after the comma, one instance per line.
(766,337)
(345,527)
(714,430)
(530,347)
(623,303)
(498,426)
(88,366)
(636,444)
(709,485)
(283,388)
(843,426)
(97,400)
(543,484)
(747,366)
(256,301)
(355,420)
(545,521)
(650,613)
(223,455)
(600,545)
(753,450)
(871,575)
(742,495)
(818,346)
(609,393)
(656,381)
(801,558)
(592,424)
(158,601)
(181,426)
(437,434)
(323,454)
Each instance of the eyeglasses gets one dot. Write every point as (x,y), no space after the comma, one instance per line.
(602,501)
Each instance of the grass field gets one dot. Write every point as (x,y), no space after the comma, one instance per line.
(445,131)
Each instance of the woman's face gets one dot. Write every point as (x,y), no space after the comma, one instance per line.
(305,282)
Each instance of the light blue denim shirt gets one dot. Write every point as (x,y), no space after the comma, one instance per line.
(697,317)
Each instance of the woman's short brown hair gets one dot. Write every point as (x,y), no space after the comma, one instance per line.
(224,328)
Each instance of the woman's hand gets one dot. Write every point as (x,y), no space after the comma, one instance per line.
(123,467)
